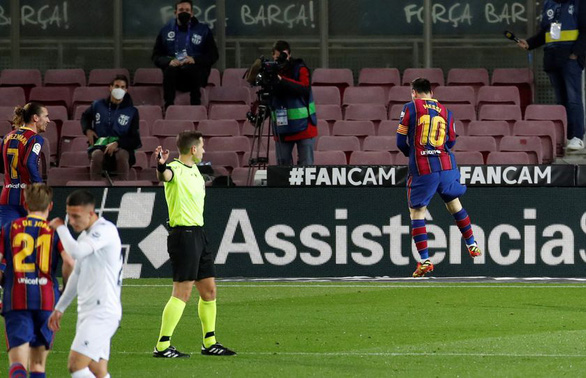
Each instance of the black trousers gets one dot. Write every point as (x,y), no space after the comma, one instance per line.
(186,78)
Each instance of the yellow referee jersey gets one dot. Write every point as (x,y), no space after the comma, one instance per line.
(185,195)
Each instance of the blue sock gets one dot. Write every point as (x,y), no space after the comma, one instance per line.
(37,375)
(419,234)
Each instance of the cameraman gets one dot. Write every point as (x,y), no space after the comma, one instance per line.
(293,109)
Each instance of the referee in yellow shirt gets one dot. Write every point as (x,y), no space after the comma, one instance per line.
(191,260)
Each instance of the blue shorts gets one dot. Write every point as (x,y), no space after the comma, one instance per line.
(28,326)
(420,189)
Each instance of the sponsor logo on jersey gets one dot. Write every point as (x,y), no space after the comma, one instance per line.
(33,281)
(196,39)
(123,119)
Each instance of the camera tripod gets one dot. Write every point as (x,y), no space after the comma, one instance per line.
(258,159)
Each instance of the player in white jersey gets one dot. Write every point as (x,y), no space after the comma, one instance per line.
(96,280)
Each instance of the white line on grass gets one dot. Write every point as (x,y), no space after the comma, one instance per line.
(394,286)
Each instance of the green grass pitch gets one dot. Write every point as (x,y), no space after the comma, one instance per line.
(358,329)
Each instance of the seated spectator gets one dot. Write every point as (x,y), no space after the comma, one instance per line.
(185,50)
(111,126)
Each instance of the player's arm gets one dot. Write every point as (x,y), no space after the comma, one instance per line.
(298,87)
(164,172)
(403,130)
(32,163)
(68,263)
(65,300)
(77,249)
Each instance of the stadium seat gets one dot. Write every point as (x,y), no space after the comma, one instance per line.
(87,95)
(522,78)
(531,145)
(219,127)
(447,96)
(6,114)
(366,112)
(24,78)
(59,176)
(399,96)
(464,114)
(168,143)
(249,129)
(133,183)
(339,77)
(78,144)
(238,144)
(56,96)
(329,158)
(401,160)
(70,78)
(229,95)
(388,127)
(144,129)
(104,76)
(554,113)
(356,128)
(544,130)
(326,95)
(469,158)
(483,144)
(323,128)
(474,77)
(338,143)
(364,95)
(184,98)
(164,128)
(214,79)
(381,143)
(13,96)
(509,113)
(497,95)
(395,112)
(233,77)
(228,159)
(229,111)
(69,131)
(148,77)
(371,158)
(239,176)
(272,156)
(380,77)
(74,159)
(507,158)
(79,110)
(91,183)
(496,129)
(146,95)
(58,114)
(329,113)
(193,113)
(150,143)
(52,136)
(149,113)
(434,75)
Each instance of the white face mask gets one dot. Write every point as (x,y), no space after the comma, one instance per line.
(118,93)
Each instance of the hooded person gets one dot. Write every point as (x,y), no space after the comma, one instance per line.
(111,125)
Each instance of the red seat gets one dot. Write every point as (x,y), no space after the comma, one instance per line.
(69,131)
(365,112)
(71,78)
(364,95)
(149,113)
(146,95)
(401,159)
(469,158)
(144,129)
(164,128)
(483,144)
(496,95)
(338,143)
(229,95)
(496,129)
(388,127)
(455,95)
(87,95)
(13,96)
(355,128)
(249,129)
(186,112)
(229,111)
(522,78)
(531,145)
(214,79)
(240,176)
(544,130)
(272,156)
(554,113)
(380,143)
(61,175)
(323,128)
(219,127)
(371,158)
(509,113)
(184,98)
(434,75)
(86,183)
(383,77)
(74,159)
(399,96)
(395,112)
(464,114)
(328,112)
(326,95)
(235,143)
(58,114)
(133,183)
(6,115)
(507,158)
(104,76)
(339,77)
(24,78)
(228,159)
(474,77)
(329,158)
(149,144)
(52,136)
(148,77)
(51,96)
(78,144)
(79,110)
(233,77)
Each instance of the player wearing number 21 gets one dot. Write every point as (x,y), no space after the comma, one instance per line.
(426,134)
(96,280)
(32,252)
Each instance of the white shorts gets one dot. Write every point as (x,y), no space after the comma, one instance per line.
(93,335)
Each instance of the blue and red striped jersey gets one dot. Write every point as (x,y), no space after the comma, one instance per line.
(32,251)
(430,132)
(20,155)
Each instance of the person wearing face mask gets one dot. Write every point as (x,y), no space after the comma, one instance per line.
(185,50)
(563,32)
(112,128)
(293,109)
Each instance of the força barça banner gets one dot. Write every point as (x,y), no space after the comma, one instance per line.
(527,175)
(340,232)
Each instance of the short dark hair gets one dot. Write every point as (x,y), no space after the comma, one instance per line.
(188,139)
(81,197)
(281,46)
(421,85)
(184,1)
(120,77)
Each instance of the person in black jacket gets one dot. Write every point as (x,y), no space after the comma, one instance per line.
(112,128)
(185,50)
(563,32)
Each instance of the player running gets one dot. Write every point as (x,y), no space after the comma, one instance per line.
(32,252)
(96,280)
(426,133)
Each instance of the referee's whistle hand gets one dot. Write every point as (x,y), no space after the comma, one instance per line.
(162,155)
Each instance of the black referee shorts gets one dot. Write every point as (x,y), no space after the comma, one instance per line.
(190,258)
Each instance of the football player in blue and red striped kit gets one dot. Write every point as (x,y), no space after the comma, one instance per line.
(426,134)
(32,251)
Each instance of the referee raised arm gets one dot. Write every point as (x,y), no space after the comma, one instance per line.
(191,260)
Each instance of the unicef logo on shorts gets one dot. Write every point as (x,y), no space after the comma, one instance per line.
(171,35)
(196,39)
(550,13)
